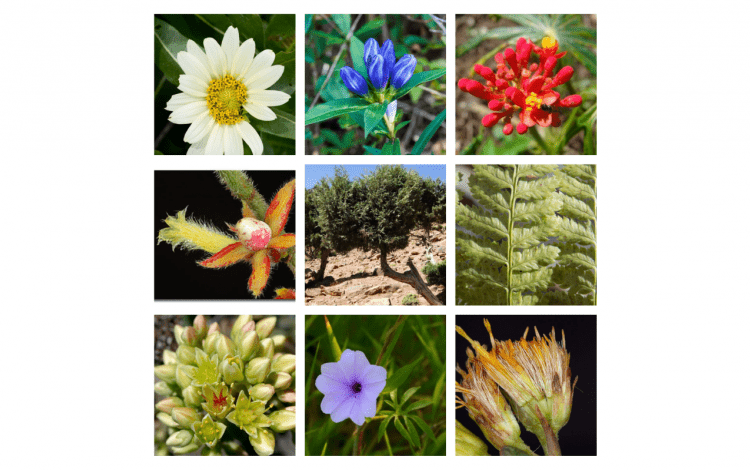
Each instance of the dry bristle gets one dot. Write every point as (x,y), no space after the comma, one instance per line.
(525,333)
(538,337)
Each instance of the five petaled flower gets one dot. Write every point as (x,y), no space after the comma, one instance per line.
(351,387)
(218,87)
(518,86)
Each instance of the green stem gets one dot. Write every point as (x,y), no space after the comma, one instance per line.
(542,143)
(161,83)
(511,223)
(389,337)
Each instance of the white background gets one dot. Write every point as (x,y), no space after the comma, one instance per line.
(77,200)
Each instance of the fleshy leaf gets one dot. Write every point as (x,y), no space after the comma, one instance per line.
(230,255)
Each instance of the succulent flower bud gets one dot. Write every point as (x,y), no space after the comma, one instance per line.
(189,337)
(284,363)
(180,438)
(288,396)
(192,447)
(279,380)
(169,357)
(249,326)
(283,420)
(225,347)
(278,341)
(168,404)
(185,416)
(253,234)
(231,369)
(257,370)
(265,327)
(266,348)
(201,328)
(264,442)
(192,396)
(262,392)
(214,328)
(184,375)
(209,344)
(249,345)
(186,354)
(166,419)
(166,372)
(163,389)
(353,81)
(239,324)
(178,333)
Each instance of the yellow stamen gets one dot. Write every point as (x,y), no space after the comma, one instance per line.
(225,99)
(548,42)
(533,102)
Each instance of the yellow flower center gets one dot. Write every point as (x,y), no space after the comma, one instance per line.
(225,99)
(533,101)
(548,42)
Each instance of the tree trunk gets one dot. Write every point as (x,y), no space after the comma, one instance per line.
(323,261)
(411,277)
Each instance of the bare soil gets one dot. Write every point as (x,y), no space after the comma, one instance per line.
(355,278)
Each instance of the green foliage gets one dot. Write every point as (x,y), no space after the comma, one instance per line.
(410,299)
(528,236)
(411,409)
(435,273)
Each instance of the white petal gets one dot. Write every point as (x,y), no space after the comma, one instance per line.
(192,66)
(199,128)
(250,135)
(232,141)
(260,112)
(188,113)
(198,148)
(193,86)
(179,100)
(196,50)
(262,61)
(243,59)
(231,43)
(215,144)
(264,78)
(267,97)
(216,57)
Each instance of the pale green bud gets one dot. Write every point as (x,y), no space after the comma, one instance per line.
(231,369)
(278,340)
(214,328)
(162,388)
(180,438)
(184,417)
(186,355)
(192,396)
(467,443)
(189,337)
(279,380)
(257,370)
(283,420)
(249,345)
(225,347)
(262,392)
(266,348)
(288,396)
(192,447)
(284,363)
(166,419)
(241,321)
(209,344)
(184,375)
(265,327)
(168,404)
(293,409)
(264,443)
(201,328)
(166,372)
(178,333)
(233,448)
(169,357)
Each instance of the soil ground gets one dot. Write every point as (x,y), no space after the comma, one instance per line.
(355,278)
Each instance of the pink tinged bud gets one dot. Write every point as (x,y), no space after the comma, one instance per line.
(189,336)
(213,328)
(491,119)
(253,234)
(485,72)
(522,128)
(562,76)
(288,396)
(201,328)
(570,101)
(508,129)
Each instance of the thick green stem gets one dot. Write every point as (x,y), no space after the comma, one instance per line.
(542,143)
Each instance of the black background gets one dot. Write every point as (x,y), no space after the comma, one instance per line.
(578,437)
(177,276)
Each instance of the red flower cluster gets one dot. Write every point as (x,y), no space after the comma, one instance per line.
(518,86)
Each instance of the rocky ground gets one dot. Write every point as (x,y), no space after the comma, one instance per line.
(355,278)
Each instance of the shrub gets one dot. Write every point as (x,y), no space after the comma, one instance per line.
(435,273)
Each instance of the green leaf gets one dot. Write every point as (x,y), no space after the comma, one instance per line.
(417,405)
(156,152)
(418,79)
(280,27)
(394,340)
(329,39)
(370,29)
(357,49)
(427,134)
(168,42)
(285,83)
(423,426)
(402,430)
(335,348)
(408,394)
(282,126)
(373,115)
(400,376)
(412,431)
(332,109)
(382,427)
(308,22)
(392,148)
(250,27)
(343,22)
(372,150)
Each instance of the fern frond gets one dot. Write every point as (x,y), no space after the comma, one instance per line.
(481,249)
(572,231)
(537,211)
(534,258)
(527,237)
(532,280)
(537,189)
(475,220)
(494,178)
(580,259)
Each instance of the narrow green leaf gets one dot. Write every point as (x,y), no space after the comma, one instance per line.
(357,49)
(400,376)
(335,348)
(387,355)
(370,29)
(382,427)
(427,134)
(343,22)
(423,426)
(334,108)
(417,405)
(310,380)
(168,42)
(308,22)
(373,150)
(412,431)
(418,79)
(282,126)
(408,394)
(373,115)
(402,430)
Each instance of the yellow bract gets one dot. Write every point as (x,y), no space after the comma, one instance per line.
(193,235)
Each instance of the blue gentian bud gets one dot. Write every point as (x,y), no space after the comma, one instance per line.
(376,71)
(403,70)
(353,81)
(390,111)
(371,48)
(389,56)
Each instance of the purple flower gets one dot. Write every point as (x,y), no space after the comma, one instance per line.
(353,80)
(351,387)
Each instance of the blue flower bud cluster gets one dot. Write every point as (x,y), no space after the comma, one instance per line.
(381,68)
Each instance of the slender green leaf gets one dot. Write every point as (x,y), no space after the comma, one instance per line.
(412,431)
(332,109)
(382,427)
(418,79)
(373,115)
(168,42)
(394,340)
(402,430)
(308,22)
(417,405)
(357,49)
(343,22)
(427,134)
(423,426)
(335,349)
(370,29)
(408,394)
(400,376)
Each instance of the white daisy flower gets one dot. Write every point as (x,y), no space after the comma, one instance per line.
(217,86)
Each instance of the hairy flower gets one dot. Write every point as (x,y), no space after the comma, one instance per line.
(219,86)
(351,387)
(535,374)
(517,86)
